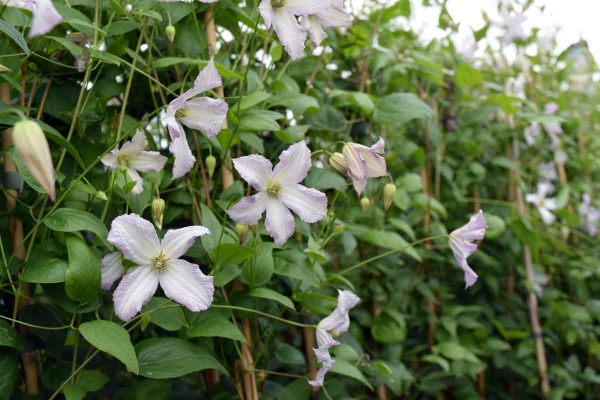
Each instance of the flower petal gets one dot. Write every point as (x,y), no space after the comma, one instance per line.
(187,285)
(135,237)
(313,26)
(110,159)
(359,185)
(254,169)
(327,362)
(111,269)
(146,161)
(339,320)
(178,241)
(294,164)
(279,222)
(208,78)
(45,17)
(336,17)
(308,203)
(249,209)
(291,35)
(179,147)
(307,7)
(135,289)
(133,176)
(206,115)
(546,215)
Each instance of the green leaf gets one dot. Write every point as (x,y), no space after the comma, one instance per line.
(209,242)
(389,327)
(73,392)
(25,174)
(217,327)
(44,270)
(9,336)
(164,358)
(294,264)
(455,351)
(297,390)
(82,279)
(9,370)
(298,103)
(269,294)
(104,57)
(226,275)
(400,108)
(324,179)
(14,34)
(435,359)
(113,339)
(343,367)
(466,76)
(288,354)
(223,71)
(231,253)
(250,101)
(145,390)
(259,271)
(170,317)
(92,380)
(292,134)
(72,220)
(121,27)
(388,240)
(259,121)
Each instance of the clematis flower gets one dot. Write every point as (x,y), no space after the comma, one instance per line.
(553,128)
(531,133)
(335,324)
(336,17)
(547,171)
(512,25)
(281,14)
(45,16)
(158,262)
(462,243)
(560,156)
(111,269)
(364,162)
(543,204)
(279,192)
(133,158)
(589,215)
(201,113)
(539,281)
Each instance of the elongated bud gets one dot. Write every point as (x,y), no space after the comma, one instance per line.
(242,232)
(254,229)
(101,195)
(337,161)
(170,32)
(32,148)
(389,192)
(365,203)
(158,209)
(211,163)
(339,229)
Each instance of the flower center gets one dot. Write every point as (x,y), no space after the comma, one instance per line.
(123,160)
(277,3)
(335,332)
(273,189)
(160,262)
(182,113)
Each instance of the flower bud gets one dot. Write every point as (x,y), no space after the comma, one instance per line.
(32,148)
(211,163)
(365,203)
(170,32)
(389,192)
(158,209)
(242,232)
(337,161)
(339,229)
(101,195)
(254,229)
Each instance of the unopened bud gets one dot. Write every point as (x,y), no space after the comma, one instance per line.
(337,161)
(242,232)
(254,229)
(101,195)
(365,203)
(158,209)
(339,229)
(389,192)
(211,163)
(32,148)
(170,32)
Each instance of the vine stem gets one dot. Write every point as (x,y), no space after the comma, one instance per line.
(294,323)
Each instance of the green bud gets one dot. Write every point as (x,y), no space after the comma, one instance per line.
(254,229)
(242,232)
(338,162)
(365,203)
(211,163)
(170,32)
(339,229)
(158,209)
(389,192)
(101,195)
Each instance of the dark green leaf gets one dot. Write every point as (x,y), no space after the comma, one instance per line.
(82,279)
(112,339)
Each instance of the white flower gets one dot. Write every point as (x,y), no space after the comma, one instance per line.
(364,162)
(336,17)
(462,243)
(589,215)
(543,204)
(45,16)
(111,269)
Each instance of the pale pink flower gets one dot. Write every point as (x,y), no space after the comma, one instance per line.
(336,17)
(364,162)
(158,262)
(281,14)
(200,113)
(335,324)
(111,269)
(589,216)
(543,204)
(531,133)
(547,171)
(553,128)
(45,16)
(462,243)
(512,25)
(279,192)
(133,158)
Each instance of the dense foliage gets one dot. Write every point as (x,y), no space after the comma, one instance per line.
(505,125)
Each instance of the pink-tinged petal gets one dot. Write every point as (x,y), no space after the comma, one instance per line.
(249,209)
(178,241)
(208,78)
(359,185)
(133,176)
(169,118)
(184,159)
(146,161)
(336,17)
(254,169)
(356,165)
(111,269)
(462,244)
(279,221)
(138,142)
(308,203)
(550,108)
(327,362)
(110,159)
(315,31)
(45,17)
(184,283)
(135,237)
(206,115)
(291,35)
(307,7)
(135,289)
(470,276)
(339,320)
(294,164)
(324,339)
(379,146)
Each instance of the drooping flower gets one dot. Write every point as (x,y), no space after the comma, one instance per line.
(364,162)
(462,243)
(158,262)
(281,14)
(279,192)
(543,204)
(133,158)
(336,17)
(200,113)
(589,216)
(335,324)
(531,133)
(45,16)
(111,269)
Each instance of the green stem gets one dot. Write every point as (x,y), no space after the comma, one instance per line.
(264,315)
(47,328)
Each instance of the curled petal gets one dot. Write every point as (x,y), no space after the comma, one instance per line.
(111,269)
(135,237)
(254,169)
(208,78)
(294,164)
(326,361)
(290,33)
(179,147)
(45,17)
(313,26)
(336,16)
(110,159)
(178,241)
(308,203)
(184,283)
(339,320)
(249,209)
(139,181)
(462,244)
(206,115)
(279,221)
(135,289)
